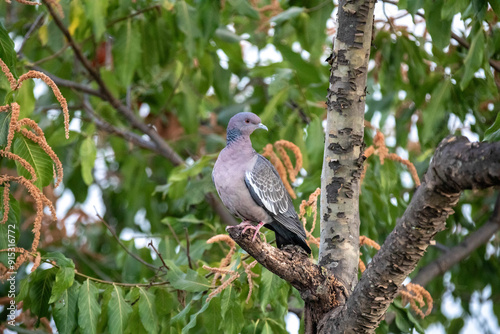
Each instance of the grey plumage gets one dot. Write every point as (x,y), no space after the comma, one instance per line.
(251,188)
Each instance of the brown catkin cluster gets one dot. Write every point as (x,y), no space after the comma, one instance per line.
(363,240)
(29,129)
(379,148)
(416,293)
(312,203)
(283,163)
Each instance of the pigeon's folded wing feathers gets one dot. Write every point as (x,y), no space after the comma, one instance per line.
(269,192)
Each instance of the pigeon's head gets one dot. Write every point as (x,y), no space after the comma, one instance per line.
(245,123)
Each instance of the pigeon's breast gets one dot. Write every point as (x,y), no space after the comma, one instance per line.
(229,180)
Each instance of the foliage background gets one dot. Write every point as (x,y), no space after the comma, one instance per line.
(186,67)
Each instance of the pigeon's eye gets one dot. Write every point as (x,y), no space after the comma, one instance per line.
(247,121)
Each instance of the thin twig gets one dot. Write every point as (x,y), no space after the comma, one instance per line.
(187,248)
(149,265)
(32,28)
(159,255)
(140,11)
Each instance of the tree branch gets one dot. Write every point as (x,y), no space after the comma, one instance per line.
(457,165)
(162,146)
(456,254)
(319,289)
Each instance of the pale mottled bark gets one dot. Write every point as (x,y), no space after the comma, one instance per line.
(343,155)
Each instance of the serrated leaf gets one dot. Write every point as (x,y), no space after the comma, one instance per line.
(64,279)
(36,157)
(88,308)
(65,310)
(271,289)
(7,52)
(40,291)
(474,59)
(232,313)
(127,53)
(60,259)
(184,19)
(190,281)
(439,28)
(288,14)
(194,318)
(434,113)
(493,132)
(96,11)
(118,310)
(147,310)
(4,127)
(212,316)
(88,154)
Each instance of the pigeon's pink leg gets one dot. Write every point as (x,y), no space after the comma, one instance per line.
(256,228)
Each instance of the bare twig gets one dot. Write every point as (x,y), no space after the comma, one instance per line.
(33,27)
(159,255)
(187,248)
(149,265)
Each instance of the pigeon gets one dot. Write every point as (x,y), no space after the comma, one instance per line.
(251,188)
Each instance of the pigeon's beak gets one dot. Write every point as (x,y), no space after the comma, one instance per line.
(262,126)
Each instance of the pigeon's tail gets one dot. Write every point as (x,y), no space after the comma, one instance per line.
(286,237)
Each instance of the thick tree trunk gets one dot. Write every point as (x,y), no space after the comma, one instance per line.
(343,157)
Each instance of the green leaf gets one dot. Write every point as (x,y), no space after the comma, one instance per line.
(40,291)
(495,4)
(127,53)
(65,311)
(96,11)
(118,310)
(435,111)
(271,106)
(493,132)
(64,279)
(212,317)
(4,127)
(227,35)
(147,310)
(232,313)
(88,308)
(60,259)
(243,7)
(190,281)
(288,14)
(194,317)
(474,59)
(7,52)
(272,289)
(184,18)
(36,157)
(438,27)
(88,154)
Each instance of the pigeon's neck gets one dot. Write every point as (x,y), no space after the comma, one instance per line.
(233,136)
(235,139)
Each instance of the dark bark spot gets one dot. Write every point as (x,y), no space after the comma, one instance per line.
(345,131)
(326,216)
(340,215)
(338,149)
(331,135)
(334,165)
(333,189)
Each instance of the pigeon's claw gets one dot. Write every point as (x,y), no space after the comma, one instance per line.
(256,228)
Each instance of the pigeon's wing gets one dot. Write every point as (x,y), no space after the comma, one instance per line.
(269,192)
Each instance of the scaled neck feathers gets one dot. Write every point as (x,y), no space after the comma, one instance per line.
(239,141)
